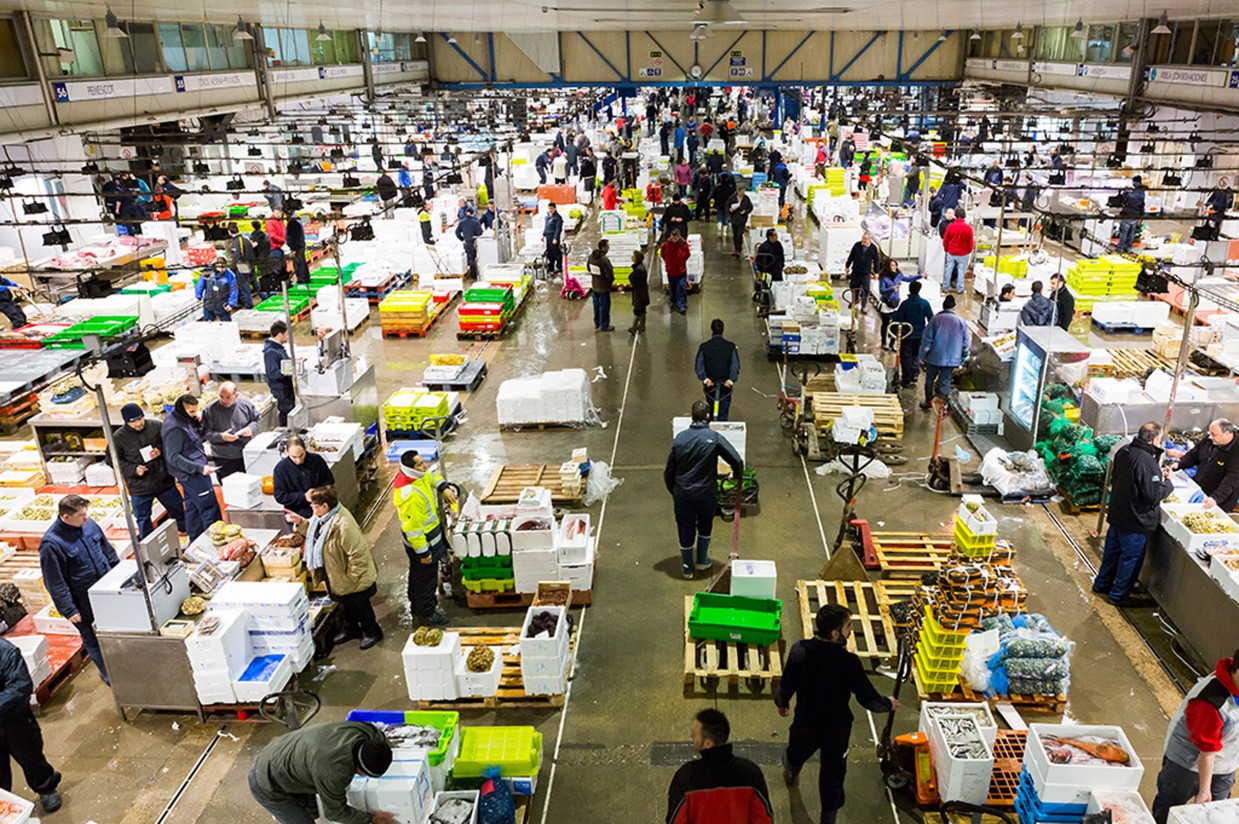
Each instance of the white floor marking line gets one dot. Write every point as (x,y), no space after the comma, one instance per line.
(580,632)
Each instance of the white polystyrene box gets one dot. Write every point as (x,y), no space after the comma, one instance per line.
(754,579)
(1089,777)
(228,647)
(544,646)
(479,684)
(465,795)
(935,709)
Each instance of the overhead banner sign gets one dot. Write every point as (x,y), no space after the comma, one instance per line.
(1186,76)
(208,82)
(11,97)
(1064,69)
(1011,65)
(293,75)
(76,91)
(339,72)
(1104,72)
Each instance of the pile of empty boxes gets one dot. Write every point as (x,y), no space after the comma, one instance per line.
(34,652)
(414,410)
(552,398)
(254,638)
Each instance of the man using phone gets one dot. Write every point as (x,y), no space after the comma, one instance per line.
(187,462)
(229,423)
(140,448)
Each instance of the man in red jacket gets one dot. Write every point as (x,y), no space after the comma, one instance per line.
(958,244)
(719,787)
(675,252)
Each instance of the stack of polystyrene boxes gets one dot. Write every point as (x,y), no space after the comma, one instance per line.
(430,672)
(472,684)
(277,618)
(961,777)
(34,653)
(242,491)
(219,651)
(404,791)
(544,659)
(535,557)
(1063,791)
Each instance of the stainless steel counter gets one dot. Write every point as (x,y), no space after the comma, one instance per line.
(1205,615)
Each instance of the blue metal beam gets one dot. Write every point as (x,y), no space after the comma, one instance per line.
(763,54)
(790,55)
(643,84)
(667,54)
(490,41)
(628,52)
(835,77)
(924,56)
(726,52)
(466,57)
(899,57)
(830,70)
(601,56)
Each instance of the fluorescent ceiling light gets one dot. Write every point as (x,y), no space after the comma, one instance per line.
(1161,27)
(976,35)
(240,31)
(1018,34)
(1078,31)
(322,33)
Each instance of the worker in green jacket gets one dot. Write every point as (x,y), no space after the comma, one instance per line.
(320,761)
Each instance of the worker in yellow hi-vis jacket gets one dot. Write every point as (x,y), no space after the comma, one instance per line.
(416,492)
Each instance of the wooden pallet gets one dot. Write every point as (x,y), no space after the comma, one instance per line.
(10,423)
(711,665)
(520,600)
(1134,363)
(1050,704)
(888,414)
(507,481)
(536,427)
(1071,507)
(910,554)
(511,682)
(874,637)
(479,335)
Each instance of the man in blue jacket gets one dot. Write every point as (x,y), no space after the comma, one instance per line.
(916,312)
(73,555)
(274,355)
(217,289)
(187,462)
(718,368)
(552,231)
(468,230)
(1131,213)
(9,307)
(944,348)
(691,476)
(20,736)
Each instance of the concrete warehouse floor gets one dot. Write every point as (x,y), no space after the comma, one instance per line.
(611,752)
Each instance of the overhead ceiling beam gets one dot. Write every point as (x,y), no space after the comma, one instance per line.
(466,57)
(857,56)
(790,55)
(601,56)
(906,75)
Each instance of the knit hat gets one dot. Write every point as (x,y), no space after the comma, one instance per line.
(131,412)
(374,758)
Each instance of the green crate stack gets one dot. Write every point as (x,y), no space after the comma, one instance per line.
(275,303)
(492,294)
(484,574)
(105,326)
(516,751)
(972,546)
(407,410)
(329,275)
(939,654)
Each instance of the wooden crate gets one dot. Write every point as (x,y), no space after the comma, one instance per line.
(910,554)
(711,665)
(511,682)
(874,637)
(507,481)
(888,414)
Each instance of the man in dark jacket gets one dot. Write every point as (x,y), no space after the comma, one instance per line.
(769,257)
(145,472)
(601,276)
(589,171)
(724,189)
(73,555)
(718,369)
(1130,214)
(782,178)
(9,307)
(676,216)
(1064,302)
(691,476)
(294,239)
(242,257)
(386,189)
(187,462)
(1217,460)
(20,736)
(916,312)
(297,473)
(823,676)
(541,163)
(1039,310)
(1140,484)
(738,210)
(702,184)
(468,230)
(862,266)
(552,232)
(229,422)
(320,761)
(719,787)
(274,358)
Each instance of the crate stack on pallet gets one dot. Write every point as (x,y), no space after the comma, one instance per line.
(407,312)
(1068,767)
(408,410)
(1109,277)
(487,308)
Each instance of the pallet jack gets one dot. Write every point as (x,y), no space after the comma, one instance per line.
(938,477)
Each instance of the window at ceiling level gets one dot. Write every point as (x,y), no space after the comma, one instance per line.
(1228,45)
(323,52)
(346,46)
(79,37)
(419,50)
(138,53)
(381,51)
(403,46)
(294,47)
(194,39)
(1100,44)
(1181,44)
(1049,45)
(1128,32)
(224,51)
(172,47)
(11,62)
(1208,33)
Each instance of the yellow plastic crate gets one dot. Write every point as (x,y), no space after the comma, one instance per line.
(940,636)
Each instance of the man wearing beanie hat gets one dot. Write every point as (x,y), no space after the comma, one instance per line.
(320,761)
(415,493)
(139,444)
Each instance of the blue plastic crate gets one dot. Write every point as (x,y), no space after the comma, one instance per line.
(1040,811)
(757,180)
(427,449)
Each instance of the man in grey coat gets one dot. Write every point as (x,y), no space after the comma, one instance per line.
(229,423)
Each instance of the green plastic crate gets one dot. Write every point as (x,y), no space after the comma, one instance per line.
(146,288)
(105,326)
(735,618)
(445,722)
(296,305)
(514,750)
(328,275)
